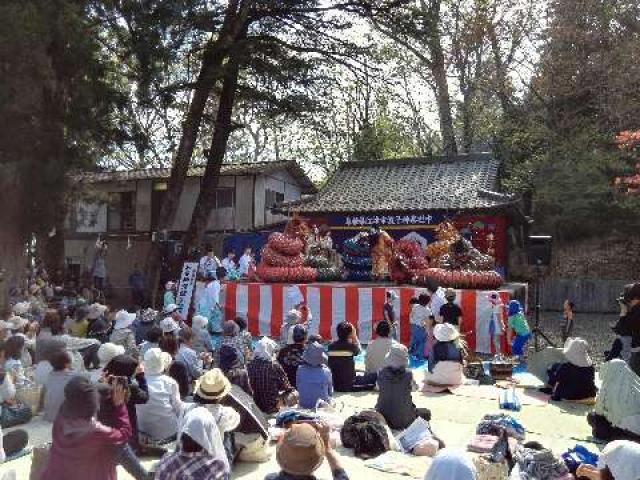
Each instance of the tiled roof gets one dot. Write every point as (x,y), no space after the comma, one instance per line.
(227,169)
(463,183)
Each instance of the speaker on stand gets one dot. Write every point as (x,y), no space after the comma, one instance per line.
(539,256)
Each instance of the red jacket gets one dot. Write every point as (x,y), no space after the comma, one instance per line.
(83,455)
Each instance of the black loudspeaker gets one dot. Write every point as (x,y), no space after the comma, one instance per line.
(539,250)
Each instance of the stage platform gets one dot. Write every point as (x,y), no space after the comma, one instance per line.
(265,306)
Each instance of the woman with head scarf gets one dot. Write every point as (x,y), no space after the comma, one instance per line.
(395,382)
(201,342)
(620,460)
(271,387)
(451,464)
(158,418)
(200,454)
(575,378)
(82,447)
(123,332)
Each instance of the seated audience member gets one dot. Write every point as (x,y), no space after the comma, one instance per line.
(170,328)
(342,363)
(82,447)
(627,345)
(575,378)
(201,342)
(231,336)
(377,350)
(269,382)
(211,390)
(231,365)
(12,443)
(153,338)
(14,350)
(301,451)
(78,326)
(53,392)
(292,319)
(199,453)
(99,326)
(158,418)
(517,324)
(395,382)
(620,460)
(187,355)
(290,356)
(106,353)
(314,377)
(445,361)
(450,312)
(123,333)
(177,369)
(617,411)
(451,464)
(127,367)
(12,412)
(145,323)
(246,337)
(419,320)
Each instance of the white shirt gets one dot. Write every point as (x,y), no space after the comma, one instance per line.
(229,264)
(419,315)
(376,351)
(208,265)
(158,418)
(245,261)
(437,300)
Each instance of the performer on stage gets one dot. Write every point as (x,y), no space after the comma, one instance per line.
(381,253)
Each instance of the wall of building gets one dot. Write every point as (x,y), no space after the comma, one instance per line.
(281,182)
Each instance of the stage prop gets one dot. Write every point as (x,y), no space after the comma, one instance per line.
(265,305)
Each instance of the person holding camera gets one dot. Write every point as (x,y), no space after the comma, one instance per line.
(627,344)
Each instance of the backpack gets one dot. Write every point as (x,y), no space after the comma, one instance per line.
(366,434)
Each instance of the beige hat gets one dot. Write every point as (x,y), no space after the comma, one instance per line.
(96,310)
(301,450)
(576,351)
(445,332)
(17,322)
(213,385)
(156,361)
(108,351)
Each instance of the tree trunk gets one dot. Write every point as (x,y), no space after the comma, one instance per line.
(441,85)
(207,196)
(210,71)
(467,120)
(502,87)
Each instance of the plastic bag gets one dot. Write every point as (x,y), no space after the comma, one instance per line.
(509,400)
(579,455)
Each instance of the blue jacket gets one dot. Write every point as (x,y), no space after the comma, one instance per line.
(314,383)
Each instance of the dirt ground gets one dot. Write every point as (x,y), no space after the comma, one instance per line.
(558,426)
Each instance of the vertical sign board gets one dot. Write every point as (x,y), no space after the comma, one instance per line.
(185,287)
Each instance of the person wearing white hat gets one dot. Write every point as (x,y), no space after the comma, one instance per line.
(445,359)
(123,332)
(202,342)
(158,418)
(169,326)
(620,460)
(575,378)
(106,353)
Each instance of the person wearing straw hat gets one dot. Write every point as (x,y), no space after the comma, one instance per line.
(313,378)
(211,389)
(575,378)
(199,453)
(301,451)
(123,333)
(445,360)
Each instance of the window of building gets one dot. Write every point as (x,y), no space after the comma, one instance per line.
(224,198)
(121,211)
(271,197)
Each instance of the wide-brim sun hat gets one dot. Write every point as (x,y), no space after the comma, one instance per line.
(169,309)
(108,351)
(213,385)
(17,322)
(445,332)
(156,361)
(124,319)
(21,308)
(301,450)
(96,310)
(314,354)
(576,351)
(622,458)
